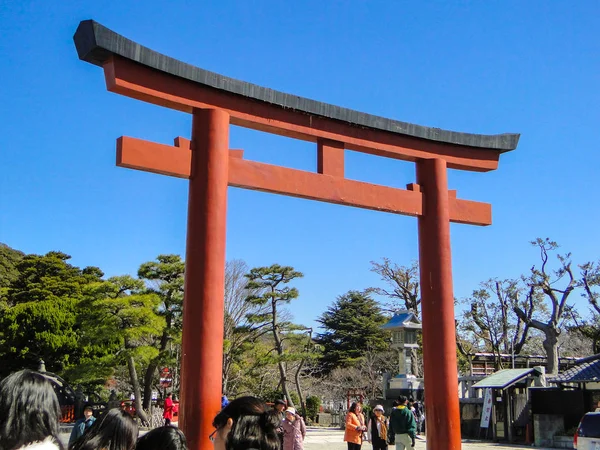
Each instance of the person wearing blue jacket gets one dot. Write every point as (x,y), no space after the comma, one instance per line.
(82,424)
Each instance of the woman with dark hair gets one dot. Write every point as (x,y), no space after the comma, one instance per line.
(29,412)
(355,426)
(245,424)
(162,438)
(115,430)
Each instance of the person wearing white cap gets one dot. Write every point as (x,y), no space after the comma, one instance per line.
(378,429)
(294,430)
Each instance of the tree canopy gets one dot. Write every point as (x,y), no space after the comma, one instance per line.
(352,327)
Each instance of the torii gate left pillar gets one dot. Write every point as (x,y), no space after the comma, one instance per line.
(215,102)
(202,343)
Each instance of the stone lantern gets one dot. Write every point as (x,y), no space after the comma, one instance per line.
(404,327)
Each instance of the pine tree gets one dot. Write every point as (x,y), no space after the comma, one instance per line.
(352,328)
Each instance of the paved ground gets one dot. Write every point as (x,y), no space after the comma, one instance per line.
(333,439)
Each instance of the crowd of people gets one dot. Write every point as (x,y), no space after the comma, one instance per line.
(30,413)
(400,429)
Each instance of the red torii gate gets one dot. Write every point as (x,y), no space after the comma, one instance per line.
(215,102)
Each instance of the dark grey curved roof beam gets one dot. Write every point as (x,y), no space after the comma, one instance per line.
(96,44)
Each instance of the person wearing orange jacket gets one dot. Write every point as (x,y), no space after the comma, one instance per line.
(355,427)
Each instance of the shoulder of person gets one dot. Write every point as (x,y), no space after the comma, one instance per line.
(47,444)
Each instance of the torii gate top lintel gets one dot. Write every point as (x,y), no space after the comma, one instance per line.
(265,109)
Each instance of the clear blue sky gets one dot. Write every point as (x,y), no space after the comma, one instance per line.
(481,67)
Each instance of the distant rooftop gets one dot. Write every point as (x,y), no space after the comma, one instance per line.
(585,370)
(404,319)
(504,378)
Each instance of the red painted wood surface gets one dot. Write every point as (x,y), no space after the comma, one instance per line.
(203,303)
(437,309)
(140,82)
(175,161)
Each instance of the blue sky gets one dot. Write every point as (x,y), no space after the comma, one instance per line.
(481,67)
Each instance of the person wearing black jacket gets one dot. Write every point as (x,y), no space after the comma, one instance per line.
(378,429)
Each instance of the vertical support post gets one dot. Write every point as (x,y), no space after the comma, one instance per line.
(437,306)
(203,304)
(330,157)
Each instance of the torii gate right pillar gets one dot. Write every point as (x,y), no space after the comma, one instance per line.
(437,307)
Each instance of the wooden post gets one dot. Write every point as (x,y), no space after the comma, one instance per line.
(439,329)
(202,345)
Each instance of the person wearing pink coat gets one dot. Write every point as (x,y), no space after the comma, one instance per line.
(294,430)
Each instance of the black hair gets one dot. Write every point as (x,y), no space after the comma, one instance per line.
(402,399)
(162,438)
(280,402)
(395,403)
(115,430)
(29,410)
(411,400)
(88,406)
(253,425)
(353,407)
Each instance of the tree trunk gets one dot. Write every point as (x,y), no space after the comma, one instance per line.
(551,347)
(299,388)
(148,378)
(225,377)
(279,348)
(136,391)
(151,369)
(284,386)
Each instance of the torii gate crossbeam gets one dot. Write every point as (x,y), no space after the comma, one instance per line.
(206,161)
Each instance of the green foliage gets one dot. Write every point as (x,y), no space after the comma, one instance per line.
(313,405)
(49,277)
(352,328)
(295,398)
(268,280)
(39,317)
(118,310)
(9,258)
(39,330)
(267,285)
(165,279)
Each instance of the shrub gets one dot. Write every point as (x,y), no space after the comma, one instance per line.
(313,404)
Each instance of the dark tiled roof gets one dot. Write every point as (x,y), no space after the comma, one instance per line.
(584,370)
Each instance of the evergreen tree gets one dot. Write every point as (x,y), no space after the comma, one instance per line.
(164,278)
(271,281)
(352,328)
(39,317)
(119,310)
(9,258)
